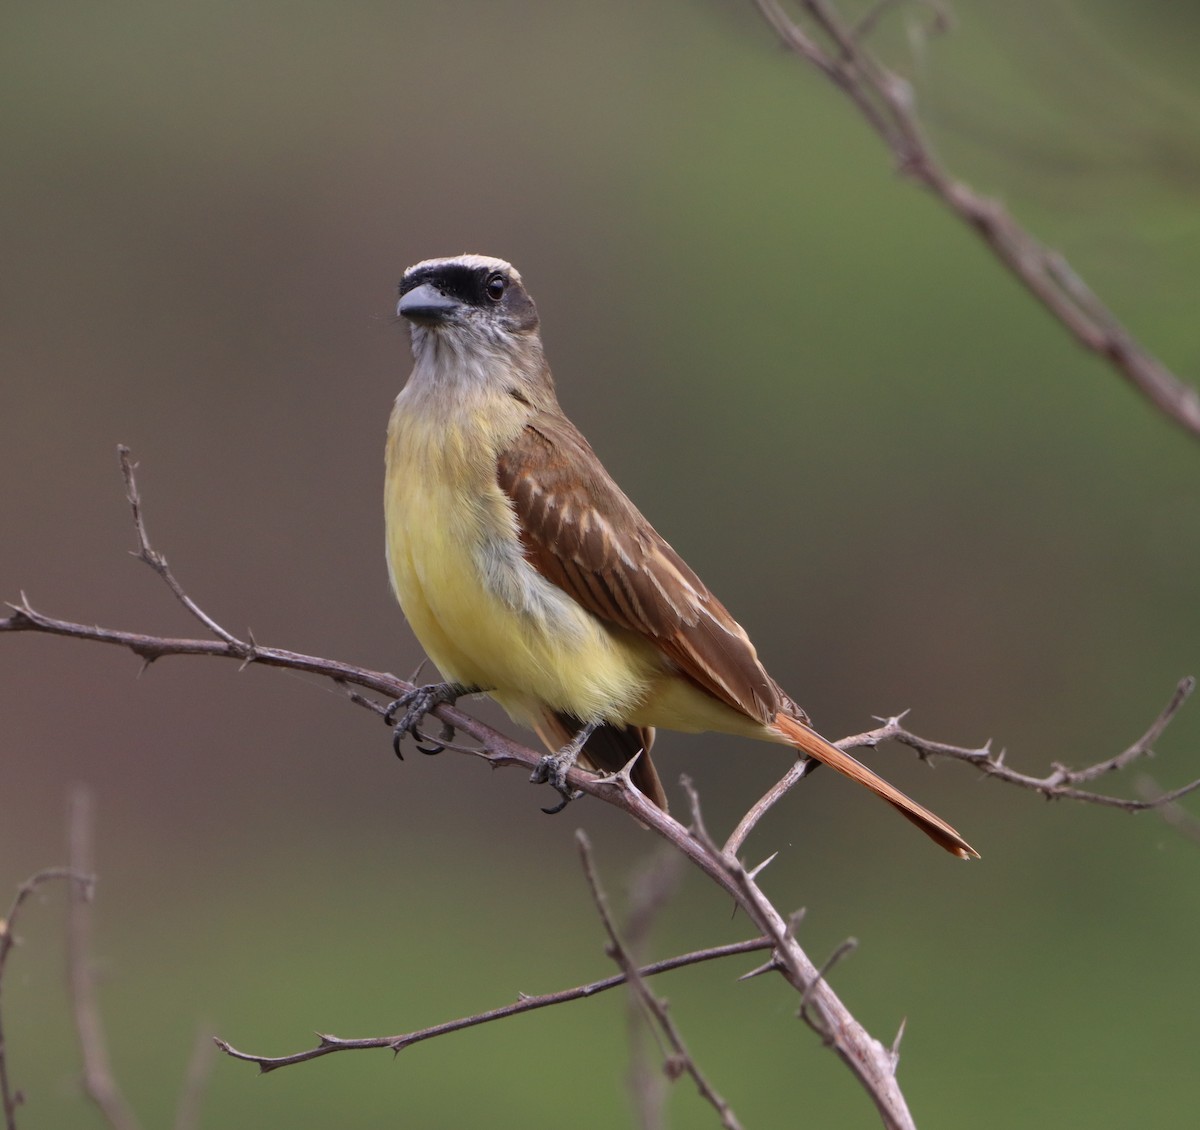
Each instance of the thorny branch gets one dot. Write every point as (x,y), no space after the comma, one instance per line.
(525,1003)
(11,1099)
(1172,813)
(680,1061)
(821,37)
(1061,783)
(873,1064)
(650,890)
(98,1079)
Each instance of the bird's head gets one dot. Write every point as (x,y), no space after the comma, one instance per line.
(467,301)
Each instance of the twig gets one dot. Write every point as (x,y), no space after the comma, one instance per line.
(98,1079)
(1061,783)
(651,889)
(886,101)
(195,1082)
(845,949)
(10,1099)
(330,1044)
(145,552)
(1172,813)
(681,1061)
(1144,746)
(797,771)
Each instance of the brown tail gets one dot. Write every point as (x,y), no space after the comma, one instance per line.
(810,742)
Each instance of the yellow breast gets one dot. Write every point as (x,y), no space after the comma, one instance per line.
(481,611)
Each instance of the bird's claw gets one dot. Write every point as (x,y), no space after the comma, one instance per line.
(416,704)
(433,748)
(552,770)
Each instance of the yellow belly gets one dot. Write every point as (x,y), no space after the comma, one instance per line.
(488,619)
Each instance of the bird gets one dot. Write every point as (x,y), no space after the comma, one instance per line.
(527,574)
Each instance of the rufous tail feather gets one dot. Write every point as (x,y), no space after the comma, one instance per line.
(810,742)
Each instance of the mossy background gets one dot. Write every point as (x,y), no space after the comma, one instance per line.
(903,478)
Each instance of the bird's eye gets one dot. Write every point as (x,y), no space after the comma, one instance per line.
(495,287)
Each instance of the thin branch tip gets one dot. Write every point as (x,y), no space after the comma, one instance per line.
(886,101)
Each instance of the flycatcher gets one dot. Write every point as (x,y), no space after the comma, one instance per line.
(527,574)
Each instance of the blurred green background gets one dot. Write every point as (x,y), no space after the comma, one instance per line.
(905,480)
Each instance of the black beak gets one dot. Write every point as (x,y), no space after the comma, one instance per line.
(426,304)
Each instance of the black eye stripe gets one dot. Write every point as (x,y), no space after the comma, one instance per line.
(472,285)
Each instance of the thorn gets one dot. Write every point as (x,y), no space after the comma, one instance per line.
(752,875)
(767,967)
(896,1043)
(622,778)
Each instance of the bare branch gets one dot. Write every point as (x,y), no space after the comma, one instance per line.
(1144,746)
(681,1061)
(157,562)
(886,101)
(98,1078)
(1061,783)
(651,889)
(797,771)
(941,21)
(195,1082)
(10,1099)
(845,949)
(330,1044)
(1172,813)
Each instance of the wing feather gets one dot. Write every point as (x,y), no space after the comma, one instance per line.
(581,533)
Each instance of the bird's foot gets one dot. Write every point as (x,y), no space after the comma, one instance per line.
(553,768)
(416,704)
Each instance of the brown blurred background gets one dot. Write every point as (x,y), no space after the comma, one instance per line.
(900,475)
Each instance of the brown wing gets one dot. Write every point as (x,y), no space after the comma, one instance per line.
(581,533)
